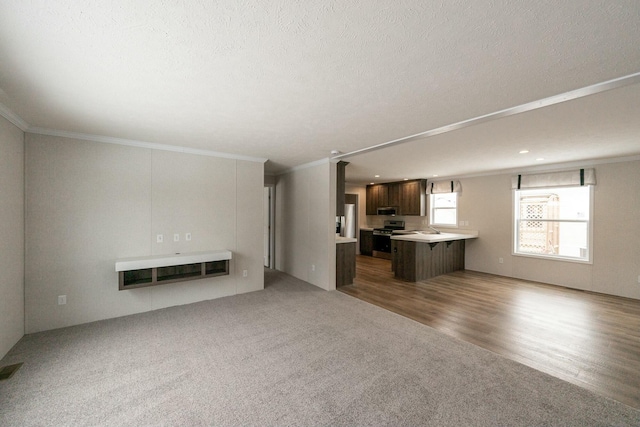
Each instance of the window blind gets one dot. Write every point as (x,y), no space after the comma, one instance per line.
(443,187)
(569,178)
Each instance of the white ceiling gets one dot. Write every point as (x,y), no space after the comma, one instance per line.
(604,126)
(290,81)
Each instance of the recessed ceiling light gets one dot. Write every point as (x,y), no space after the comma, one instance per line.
(540,159)
(406,179)
(435,175)
(335,152)
(376,176)
(372,183)
(524,151)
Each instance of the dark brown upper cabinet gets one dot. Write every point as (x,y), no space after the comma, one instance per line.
(394,193)
(408,196)
(413,197)
(377,196)
(340,188)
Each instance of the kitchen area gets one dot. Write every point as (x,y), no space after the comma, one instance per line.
(395,228)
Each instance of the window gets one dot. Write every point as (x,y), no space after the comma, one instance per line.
(553,223)
(444,209)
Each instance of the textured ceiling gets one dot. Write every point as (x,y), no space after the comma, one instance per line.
(598,127)
(290,81)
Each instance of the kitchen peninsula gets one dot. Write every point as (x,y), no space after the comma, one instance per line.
(421,255)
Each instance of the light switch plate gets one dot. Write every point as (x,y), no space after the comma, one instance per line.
(176,237)
(159,238)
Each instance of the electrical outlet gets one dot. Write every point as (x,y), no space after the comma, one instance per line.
(187,237)
(62,299)
(159,238)
(501,260)
(176,237)
(313,267)
(245,273)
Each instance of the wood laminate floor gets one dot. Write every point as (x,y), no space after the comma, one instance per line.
(591,340)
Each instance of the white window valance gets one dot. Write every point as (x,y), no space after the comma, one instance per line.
(575,177)
(443,187)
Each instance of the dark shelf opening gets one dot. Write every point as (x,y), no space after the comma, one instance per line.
(179,271)
(216,267)
(136,277)
(132,279)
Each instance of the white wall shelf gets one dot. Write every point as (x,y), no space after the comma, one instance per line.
(145,271)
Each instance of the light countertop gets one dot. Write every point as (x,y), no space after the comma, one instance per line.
(433,238)
(155,261)
(340,239)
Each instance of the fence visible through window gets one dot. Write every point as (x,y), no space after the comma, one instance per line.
(553,215)
(536,234)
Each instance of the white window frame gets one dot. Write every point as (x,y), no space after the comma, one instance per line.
(432,208)
(514,238)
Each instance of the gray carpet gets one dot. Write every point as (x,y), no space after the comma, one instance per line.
(289,355)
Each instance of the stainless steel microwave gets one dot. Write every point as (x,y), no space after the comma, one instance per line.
(389,210)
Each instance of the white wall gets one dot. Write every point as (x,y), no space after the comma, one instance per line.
(305,224)
(486,202)
(88,204)
(11,235)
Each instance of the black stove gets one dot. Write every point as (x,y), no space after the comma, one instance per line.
(382,238)
(389,227)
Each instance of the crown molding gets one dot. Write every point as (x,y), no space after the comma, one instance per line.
(530,106)
(25,127)
(551,167)
(141,144)
(13,117)
(305,166)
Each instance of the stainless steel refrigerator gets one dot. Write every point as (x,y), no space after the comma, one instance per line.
(348,221)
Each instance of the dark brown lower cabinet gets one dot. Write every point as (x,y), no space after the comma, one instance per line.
(366,242)
(345,263)
(416,261)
